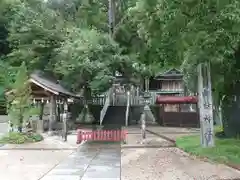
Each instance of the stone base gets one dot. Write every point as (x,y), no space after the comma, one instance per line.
(40,126)
(50,133)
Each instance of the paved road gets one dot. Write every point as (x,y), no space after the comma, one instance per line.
(3,128)
(28,164)
(89,163)
(3,118)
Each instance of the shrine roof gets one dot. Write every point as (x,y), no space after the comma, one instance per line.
(169,73)
(49,84)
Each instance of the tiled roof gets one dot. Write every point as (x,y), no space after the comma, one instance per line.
(50,84)
(170,72)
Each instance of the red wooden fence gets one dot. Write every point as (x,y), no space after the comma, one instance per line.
(101,135)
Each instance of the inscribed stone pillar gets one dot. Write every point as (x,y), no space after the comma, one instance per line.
(205,105)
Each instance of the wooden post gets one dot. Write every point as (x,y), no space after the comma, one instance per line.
(205,105)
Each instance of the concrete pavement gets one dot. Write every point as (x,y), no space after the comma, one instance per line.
(28,164)
(3,128)
(32,161)
(89,163)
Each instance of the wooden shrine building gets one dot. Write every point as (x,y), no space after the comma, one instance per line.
(183,116)
(167,83)
(50,95)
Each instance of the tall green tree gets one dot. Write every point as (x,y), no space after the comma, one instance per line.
(19,99)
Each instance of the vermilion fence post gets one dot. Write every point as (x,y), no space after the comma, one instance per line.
(83,136)
(115,135)
(109,135)
(104,135)
(94,135)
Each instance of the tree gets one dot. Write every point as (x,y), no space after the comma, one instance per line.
(90,14)
(34,33)
(19,99)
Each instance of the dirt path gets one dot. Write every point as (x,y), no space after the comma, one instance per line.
(171,164)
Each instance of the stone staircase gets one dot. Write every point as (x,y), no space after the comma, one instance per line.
(117,107)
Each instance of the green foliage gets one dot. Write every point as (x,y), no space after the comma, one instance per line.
(34,32)
(86,56)
(90,14)
(20,138)
(19,100)
(34,111)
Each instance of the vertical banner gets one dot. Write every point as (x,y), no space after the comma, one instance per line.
(205,105)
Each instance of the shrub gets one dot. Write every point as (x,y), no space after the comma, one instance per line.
(20,138)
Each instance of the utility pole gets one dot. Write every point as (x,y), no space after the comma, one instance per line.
(111,16)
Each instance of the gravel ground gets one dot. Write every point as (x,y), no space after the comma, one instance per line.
(170,164)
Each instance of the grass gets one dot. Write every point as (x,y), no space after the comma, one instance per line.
(20,138)
(226,150)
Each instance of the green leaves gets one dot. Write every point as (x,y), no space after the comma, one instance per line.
(84,56)
(35,31)
(19,98)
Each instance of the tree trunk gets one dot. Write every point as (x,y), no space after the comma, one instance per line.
(88,117)
(20,123)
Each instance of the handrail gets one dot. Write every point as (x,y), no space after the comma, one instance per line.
(105,107)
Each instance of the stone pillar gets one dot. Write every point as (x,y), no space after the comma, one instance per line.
(143,127)
(52,118)
(205,105)
(64,123)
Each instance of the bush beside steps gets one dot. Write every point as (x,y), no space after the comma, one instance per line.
(20,138)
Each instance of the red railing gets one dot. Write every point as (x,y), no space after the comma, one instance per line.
(101,135)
